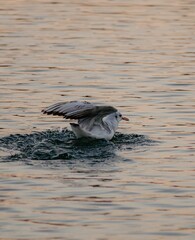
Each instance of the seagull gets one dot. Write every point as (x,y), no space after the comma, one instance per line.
(94,121)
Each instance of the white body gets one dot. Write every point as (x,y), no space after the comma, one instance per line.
(99,131)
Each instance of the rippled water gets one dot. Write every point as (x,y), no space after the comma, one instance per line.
(138,56)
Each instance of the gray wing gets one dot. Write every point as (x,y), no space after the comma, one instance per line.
(83,111)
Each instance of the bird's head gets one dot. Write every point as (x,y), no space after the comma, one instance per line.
(120,117)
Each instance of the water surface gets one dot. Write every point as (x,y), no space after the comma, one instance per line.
(138,56)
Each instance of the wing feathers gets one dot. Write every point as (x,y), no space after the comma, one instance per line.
(78,110)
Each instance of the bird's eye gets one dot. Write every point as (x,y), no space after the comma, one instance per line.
(120,115)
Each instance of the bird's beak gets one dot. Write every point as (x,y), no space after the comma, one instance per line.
(125,118)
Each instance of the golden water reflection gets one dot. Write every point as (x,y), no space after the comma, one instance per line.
(136,55)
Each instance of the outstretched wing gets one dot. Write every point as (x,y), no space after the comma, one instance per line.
(79,110)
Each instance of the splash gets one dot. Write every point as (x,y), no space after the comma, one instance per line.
(55,144)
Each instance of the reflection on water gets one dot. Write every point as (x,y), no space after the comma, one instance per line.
(135,55)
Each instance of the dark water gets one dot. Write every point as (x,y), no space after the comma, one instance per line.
(63,145)
(138,56)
